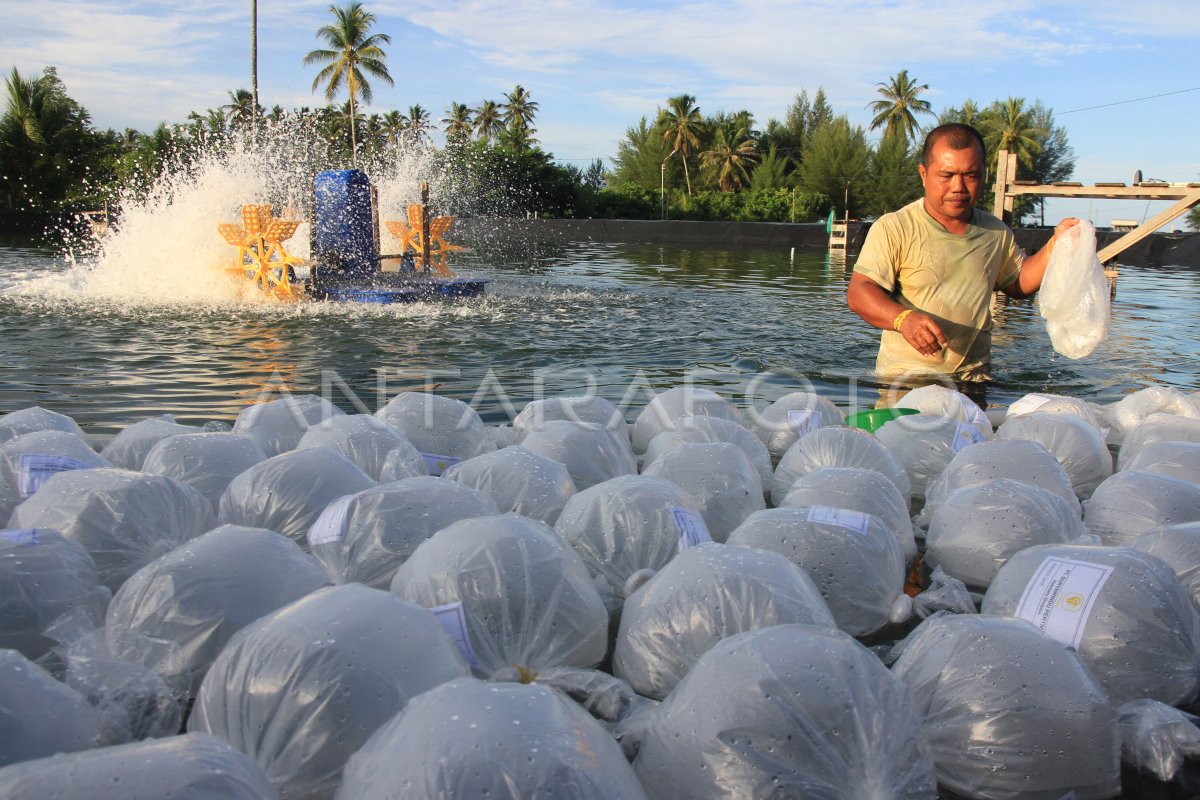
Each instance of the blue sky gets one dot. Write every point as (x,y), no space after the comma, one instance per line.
(596,66)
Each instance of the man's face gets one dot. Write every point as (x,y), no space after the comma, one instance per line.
(953,180)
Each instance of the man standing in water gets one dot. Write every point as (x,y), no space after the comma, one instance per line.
(926,272)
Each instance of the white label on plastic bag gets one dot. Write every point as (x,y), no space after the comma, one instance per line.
(965,435)
(842,517)
(333,524)
(804,422)
(691,527)
(35,470)
(25,537)
(438,464)
(454,621)
(1060,595)
(1028,404)
(1070,796)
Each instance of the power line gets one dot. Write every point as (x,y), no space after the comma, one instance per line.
(1124,102)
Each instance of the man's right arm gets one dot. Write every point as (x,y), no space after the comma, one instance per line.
(868,299)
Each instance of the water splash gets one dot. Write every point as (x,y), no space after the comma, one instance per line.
(164,247)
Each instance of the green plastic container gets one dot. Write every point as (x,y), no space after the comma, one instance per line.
(873,418)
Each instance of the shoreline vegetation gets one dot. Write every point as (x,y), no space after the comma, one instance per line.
(676,162)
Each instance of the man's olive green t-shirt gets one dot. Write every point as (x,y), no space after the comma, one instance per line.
(948,276)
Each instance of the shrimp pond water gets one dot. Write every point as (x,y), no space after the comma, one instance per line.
(136,335)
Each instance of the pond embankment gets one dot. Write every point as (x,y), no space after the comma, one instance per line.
(1159,249)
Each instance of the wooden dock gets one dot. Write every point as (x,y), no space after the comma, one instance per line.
(1008,188)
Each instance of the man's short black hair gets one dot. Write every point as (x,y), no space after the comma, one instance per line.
(957,135)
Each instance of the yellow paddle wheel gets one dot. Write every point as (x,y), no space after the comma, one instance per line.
(425,237)
(261,257)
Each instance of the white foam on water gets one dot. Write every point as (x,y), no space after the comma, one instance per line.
(165,247)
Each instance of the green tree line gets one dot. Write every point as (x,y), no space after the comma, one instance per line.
(676,162)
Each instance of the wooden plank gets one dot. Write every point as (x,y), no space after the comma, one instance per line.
(1149,227)
(1111,192)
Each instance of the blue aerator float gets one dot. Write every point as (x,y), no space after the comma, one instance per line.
(346,264)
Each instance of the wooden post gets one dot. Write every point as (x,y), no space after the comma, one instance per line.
(424,225)
(1001,190)
(1003,203)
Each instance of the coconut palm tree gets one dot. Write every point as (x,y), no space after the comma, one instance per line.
(682,127)
(519,112)
(254,54)
(417,124)
(731,153)
(489,120)
(900,105)
(1008,125)
(240,111)
(458,121)
(392,126)
(352,50)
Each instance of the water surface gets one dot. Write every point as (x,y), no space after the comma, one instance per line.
(621,320)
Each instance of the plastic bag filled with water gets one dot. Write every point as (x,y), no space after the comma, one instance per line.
(1038,402)
(1074,294)
(852,557)
(1179,460)
(208,462)
(1124,611)
(123,519)
(837,447)
(708,593)
(43,576)
(857,489)
(519,481)
(1179,546)
(36,418)
(513,594)
(128,449)
(190,767)
(1008,712)
(940,401)
(591,454)
(365,537)
(1131,503)
(712,430)
(670,409)
(1157,428)
(590,410)
(1131,410)
(1078,446)
(444,430)
(1157,738)
(468,738)
(134,701)
(1015,459)
(277,426)
(206,590)
(303,688)
(40,716)
(286,493)
(979,527)
(27,461)
(792,416)
(719,477)
(786,711)
(926,443)
(361,438)
(629,525)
